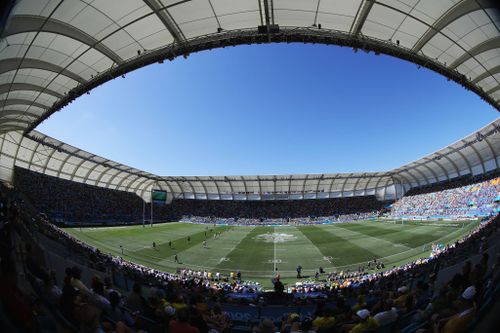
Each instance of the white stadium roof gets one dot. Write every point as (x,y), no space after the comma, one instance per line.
(476,154)
(53,51)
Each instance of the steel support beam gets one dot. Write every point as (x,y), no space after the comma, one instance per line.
(492,151)
(479,156)
(30,23)
(202,185)
(361,16)
(167,19)
(487,45)
(491,72)
(8,87)
(460,9)
(11,64)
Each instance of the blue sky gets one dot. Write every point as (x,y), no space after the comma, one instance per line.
(271,109)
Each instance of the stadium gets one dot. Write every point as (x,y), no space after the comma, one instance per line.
(93,245)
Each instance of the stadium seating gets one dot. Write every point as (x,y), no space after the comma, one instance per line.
(276,209)
(71,202)
(164,295)
(473,200)
(453,183)
(68,201)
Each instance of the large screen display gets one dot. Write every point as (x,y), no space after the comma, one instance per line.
(158,195)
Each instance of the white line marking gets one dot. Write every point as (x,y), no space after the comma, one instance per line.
(230,249)
(274,259)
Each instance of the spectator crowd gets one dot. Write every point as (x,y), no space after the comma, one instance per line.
(478,199)
(459,181)
(65,200)
(276,209)
(192,301)
(71,202)
(280,221)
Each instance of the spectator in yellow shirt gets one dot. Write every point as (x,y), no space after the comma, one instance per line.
(361,304)
(325,321)
(459,322)
(366,322)
(400,302)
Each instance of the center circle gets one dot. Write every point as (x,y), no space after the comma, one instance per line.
(275,237)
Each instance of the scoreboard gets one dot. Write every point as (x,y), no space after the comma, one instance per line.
(159,196)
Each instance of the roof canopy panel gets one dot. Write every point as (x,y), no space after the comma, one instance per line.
(63,49)
(475,154)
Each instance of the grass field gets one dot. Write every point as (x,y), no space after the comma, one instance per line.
(258,251)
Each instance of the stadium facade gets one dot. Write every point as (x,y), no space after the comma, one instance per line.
(52,52)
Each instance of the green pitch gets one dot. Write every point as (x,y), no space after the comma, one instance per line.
(259,251)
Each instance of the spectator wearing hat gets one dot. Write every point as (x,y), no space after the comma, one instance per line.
(389,315)
(400,302)
(460,321)
(365,322)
